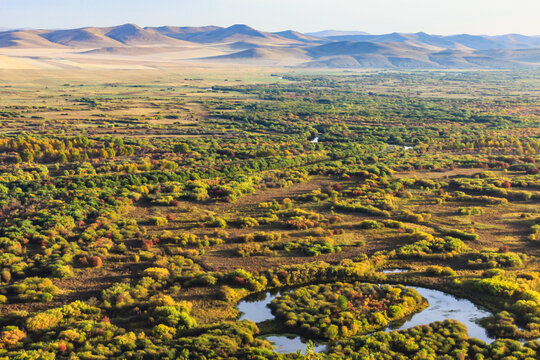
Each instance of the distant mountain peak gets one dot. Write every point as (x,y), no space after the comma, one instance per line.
(126,28)
(246,30)
(240,27)
(123,30)
(234,33)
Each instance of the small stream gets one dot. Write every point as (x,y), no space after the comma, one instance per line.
(442,306)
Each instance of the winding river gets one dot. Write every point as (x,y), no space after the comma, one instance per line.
(442,306)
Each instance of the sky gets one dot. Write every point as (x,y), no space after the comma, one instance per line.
(489,17)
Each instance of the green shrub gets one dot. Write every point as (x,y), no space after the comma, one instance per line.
(470,211)
(45,320)
(370,224)
(35,289)
(440,271)
(163,332)
(247,222)
(490,259)
(460,234)
(202,280)
(158,221)
(157,273)
(64,271)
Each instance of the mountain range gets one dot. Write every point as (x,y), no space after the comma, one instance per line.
(329,48)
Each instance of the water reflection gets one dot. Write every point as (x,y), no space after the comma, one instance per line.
(256,309)
(442,306)
(291,343)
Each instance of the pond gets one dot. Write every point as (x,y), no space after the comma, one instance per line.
(392,147)
(442,306)
(394,271)
(291,343)
(255,307)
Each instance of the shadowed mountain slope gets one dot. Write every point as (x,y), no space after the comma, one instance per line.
(244,44)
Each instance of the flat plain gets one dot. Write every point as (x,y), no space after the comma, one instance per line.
(142,200)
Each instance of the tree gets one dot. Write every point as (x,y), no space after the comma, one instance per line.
(181,148)
(342,302)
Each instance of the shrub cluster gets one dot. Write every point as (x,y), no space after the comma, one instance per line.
(340,310)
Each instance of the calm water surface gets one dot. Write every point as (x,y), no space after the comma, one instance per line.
(442,306)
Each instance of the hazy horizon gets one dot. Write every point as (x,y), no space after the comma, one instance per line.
(225,26)
(478,17)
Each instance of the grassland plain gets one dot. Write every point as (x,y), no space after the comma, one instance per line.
(138,207)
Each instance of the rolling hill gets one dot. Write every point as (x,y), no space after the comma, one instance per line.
(183,32)
(25,39)
(237,33)
(130,34)
(243,44)
(132,50)
(264,56)
(475,42)
(351,54)
(84,37)
(90,37)
(295,35)
(368,54)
